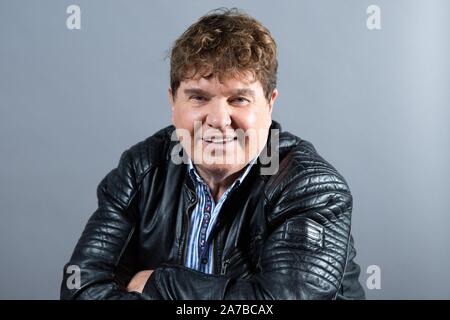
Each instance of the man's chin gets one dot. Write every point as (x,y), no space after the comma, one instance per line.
(220,160)
(218,169)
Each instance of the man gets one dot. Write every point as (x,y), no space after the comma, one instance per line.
(221,205)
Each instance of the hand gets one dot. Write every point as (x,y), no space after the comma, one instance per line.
(139,280)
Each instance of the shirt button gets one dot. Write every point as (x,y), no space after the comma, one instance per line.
(204,261)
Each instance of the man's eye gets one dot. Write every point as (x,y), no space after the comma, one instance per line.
(198,98)
(240,100)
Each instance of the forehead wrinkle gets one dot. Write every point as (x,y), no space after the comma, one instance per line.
(231,92)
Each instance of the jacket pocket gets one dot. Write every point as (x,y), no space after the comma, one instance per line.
(237,265)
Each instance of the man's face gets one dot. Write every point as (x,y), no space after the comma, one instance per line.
(228,123)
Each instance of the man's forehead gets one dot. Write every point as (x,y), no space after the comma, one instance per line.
(232,84)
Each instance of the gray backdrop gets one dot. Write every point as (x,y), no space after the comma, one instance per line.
(374,103)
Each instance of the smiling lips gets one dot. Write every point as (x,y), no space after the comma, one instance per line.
(219,140)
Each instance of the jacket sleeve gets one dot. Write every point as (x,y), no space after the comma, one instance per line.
(104,253)
(304,256)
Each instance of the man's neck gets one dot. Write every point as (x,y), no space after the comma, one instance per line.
(218,182)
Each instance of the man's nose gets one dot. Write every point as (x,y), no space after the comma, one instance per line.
(218,115)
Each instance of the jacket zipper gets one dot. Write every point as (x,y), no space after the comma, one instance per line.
(228,261)
(225,264)
(184,230)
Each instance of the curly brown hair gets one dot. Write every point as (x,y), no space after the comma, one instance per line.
(225,43)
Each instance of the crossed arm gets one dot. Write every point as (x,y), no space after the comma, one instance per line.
(137,283)
(305,257)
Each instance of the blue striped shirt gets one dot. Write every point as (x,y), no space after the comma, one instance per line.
(200,248)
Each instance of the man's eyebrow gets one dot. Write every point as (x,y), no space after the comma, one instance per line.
(196,91)
(244,92)
(236,92)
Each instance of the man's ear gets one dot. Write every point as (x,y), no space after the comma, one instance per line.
(273,97)
(171,98)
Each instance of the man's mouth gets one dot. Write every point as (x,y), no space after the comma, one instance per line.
(219,140)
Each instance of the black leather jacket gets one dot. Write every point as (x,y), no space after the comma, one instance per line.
(284,236)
